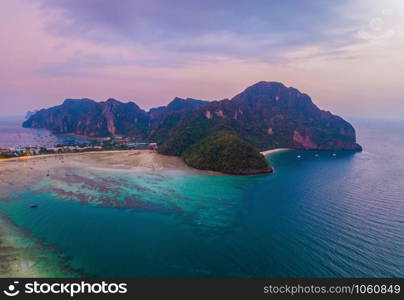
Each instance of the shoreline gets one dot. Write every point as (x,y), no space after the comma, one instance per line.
(268,153)
(127,160)
(62,154)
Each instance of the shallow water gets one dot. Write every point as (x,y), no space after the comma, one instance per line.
(319,216)
(13,135)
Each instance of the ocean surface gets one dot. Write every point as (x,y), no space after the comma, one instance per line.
(13,135)
(317,216)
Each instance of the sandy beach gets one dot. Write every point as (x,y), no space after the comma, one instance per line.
(24,171)
(268,153)
(41,165)
(133,158)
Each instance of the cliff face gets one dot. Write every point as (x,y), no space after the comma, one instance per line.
(93,119)
(286,113)
(265,115)
(124,119)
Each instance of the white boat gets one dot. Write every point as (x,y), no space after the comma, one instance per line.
(299,156)
(334,154)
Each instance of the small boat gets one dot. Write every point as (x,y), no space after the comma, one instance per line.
(316,155)
(299,156)
(334,154)
(34,206)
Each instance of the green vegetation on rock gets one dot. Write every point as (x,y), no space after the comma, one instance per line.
(225,152)
(266,115)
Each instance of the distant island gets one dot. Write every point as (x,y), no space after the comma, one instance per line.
(225,135)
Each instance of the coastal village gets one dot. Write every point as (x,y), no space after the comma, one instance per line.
(115,143)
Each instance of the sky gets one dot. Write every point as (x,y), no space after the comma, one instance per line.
(347,55)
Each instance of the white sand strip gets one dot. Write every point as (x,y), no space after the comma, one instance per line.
(268,153)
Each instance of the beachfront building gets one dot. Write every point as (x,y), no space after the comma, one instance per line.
(34,150)
(21,151)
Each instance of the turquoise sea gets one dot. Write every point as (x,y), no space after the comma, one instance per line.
(317,216)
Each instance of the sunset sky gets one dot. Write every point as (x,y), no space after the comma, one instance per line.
(349,57)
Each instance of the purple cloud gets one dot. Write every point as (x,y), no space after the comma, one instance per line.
(260,29)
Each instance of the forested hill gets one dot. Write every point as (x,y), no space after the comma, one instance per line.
(265,115)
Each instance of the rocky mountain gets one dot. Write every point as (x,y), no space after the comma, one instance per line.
(265,115)
(29,114)
(89,118)
(178,104)
(290,118)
